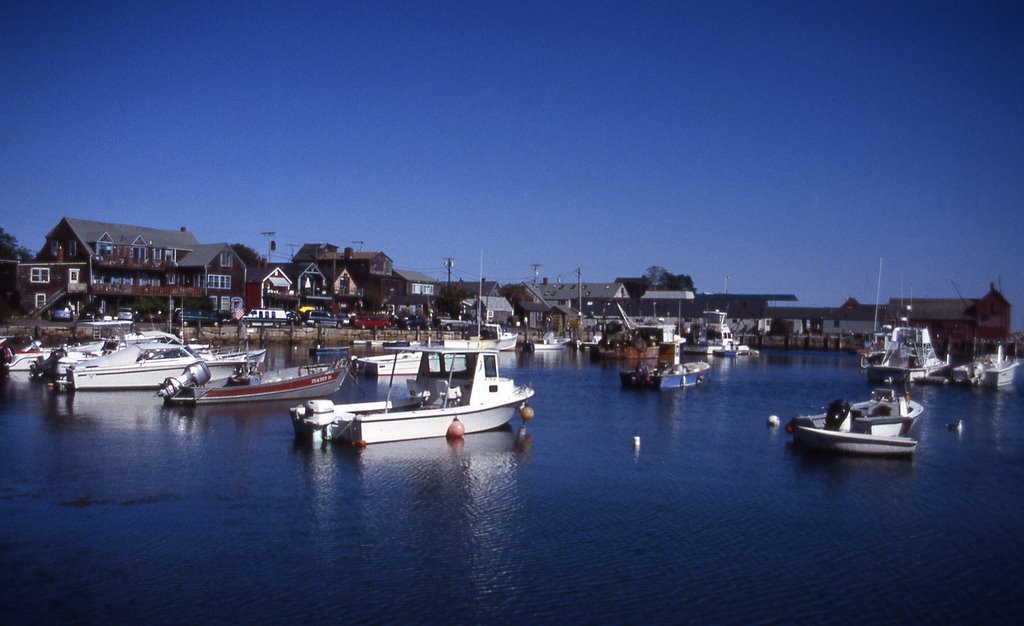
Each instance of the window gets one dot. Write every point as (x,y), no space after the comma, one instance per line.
(158,255)
(225,259)
(105,249)
(73,248)
(138,253)
(490,366)
(40,275)
(40,300)
(54,248)
(73,275)
(218,281)
(225,303)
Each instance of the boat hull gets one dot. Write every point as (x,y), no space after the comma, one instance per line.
(302,387)
(383,422)
(853,443)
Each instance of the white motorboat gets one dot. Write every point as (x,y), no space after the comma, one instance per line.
(22,359)
(401,363)
(490,337)
(907,356)
(879,426)
(714,337)
(455,392)
(146,366)
(548,343)
(988,371)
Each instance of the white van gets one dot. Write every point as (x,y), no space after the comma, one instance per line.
(267,317)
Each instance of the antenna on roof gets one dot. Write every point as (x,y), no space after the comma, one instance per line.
(536,271)
(360,244)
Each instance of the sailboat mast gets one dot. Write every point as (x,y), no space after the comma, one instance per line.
(878,291)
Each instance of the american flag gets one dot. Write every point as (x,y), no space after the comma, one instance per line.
(239,313)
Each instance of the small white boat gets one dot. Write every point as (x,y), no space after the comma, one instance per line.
(491,337)
(401,363)
(907,355)
(988,371)
(879,426)
(22,359)
(455,392)
(148,365)
(548,343)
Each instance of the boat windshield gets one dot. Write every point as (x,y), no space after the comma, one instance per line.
(457,365)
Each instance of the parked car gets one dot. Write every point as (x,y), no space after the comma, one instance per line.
(125,313)
(194,317)
(363,321)
(61,314)
(413,322)
(320,318)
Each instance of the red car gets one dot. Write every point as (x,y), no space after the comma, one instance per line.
(371,321)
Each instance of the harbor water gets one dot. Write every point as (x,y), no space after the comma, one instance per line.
(116,509)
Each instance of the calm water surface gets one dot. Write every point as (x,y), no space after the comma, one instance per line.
(116,509)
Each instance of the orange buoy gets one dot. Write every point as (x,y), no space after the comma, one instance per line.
(526,412)
(456,429)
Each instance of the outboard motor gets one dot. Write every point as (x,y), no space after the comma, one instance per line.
(838,411)
(47,366)
(195,375)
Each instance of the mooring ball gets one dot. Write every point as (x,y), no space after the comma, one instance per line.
(526,412)
(773,421)
(456,430)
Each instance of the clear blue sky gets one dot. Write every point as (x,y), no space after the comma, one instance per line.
(787,145)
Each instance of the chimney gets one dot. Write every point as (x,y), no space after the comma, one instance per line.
(348,252)
(183,229)
(545,281)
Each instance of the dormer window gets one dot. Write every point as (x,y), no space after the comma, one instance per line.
(54,248)
(225,258)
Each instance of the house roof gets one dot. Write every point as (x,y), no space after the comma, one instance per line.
(89,232)
(203,254)
(667,295)
(414,277)
(572,291)
(493,303)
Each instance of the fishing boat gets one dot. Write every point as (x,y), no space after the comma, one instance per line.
(987,371)
(249,383)
(713,337)
(907,355)
(400,363)
(669,373)
(455,392)
(879,426)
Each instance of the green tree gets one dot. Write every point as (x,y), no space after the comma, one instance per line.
(449,301)
(247,254)
(658,278)
(10,250)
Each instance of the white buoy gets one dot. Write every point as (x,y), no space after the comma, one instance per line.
(636,441)
(957,426)
(773,421)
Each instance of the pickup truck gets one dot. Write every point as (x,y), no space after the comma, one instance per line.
(363,321)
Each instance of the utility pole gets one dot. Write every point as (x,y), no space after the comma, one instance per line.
(536,271)
(448,263)
(269,234)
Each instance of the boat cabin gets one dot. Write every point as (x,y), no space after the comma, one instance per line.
(457,377)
